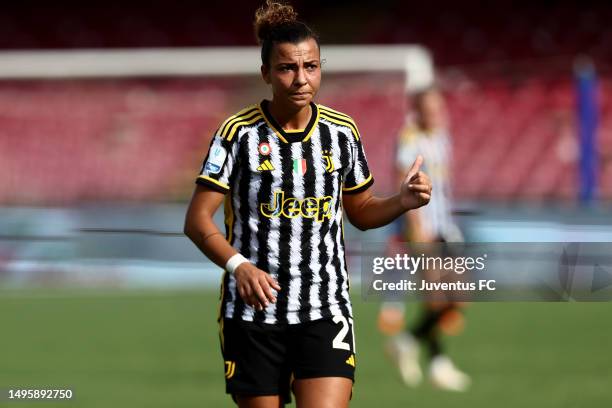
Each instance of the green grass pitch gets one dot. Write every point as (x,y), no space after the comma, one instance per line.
(160,349)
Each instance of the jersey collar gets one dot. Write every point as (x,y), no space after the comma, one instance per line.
(290,137)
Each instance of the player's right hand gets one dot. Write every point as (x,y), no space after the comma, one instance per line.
(415,191)
(255,286)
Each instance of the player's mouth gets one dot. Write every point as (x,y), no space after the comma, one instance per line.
(300,95)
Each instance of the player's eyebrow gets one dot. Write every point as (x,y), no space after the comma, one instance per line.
(295,64)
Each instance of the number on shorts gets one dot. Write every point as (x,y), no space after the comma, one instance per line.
(338,342)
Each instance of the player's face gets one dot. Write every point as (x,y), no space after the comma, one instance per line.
(294,72)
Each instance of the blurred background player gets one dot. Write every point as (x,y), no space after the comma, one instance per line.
(426,133)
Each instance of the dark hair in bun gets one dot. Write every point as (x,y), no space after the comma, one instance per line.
(276,22)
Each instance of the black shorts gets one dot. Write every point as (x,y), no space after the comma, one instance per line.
(263,359)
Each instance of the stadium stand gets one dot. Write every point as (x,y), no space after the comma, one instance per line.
(113,140)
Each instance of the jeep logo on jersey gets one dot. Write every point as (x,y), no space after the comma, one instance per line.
(309,207)
(216,158)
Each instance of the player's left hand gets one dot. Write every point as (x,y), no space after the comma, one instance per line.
(416,187)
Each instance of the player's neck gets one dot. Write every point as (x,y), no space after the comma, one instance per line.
(288,118)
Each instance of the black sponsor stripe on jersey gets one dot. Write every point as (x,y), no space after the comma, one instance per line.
(285,230)
(344,146)
(244,181)
(305,239)
(335,233)
(263,225)
(335,261)
(324,250)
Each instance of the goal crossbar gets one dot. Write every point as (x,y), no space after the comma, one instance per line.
(415,61)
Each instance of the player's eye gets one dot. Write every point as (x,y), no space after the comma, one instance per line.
(312,67)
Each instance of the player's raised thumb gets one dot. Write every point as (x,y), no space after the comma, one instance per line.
(416,166)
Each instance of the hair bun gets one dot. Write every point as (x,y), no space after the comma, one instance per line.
(272,14)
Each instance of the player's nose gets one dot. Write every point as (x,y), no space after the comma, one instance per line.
(300,78)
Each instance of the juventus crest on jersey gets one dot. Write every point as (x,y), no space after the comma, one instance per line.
(283,208)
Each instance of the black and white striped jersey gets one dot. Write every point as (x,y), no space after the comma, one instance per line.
(283,207)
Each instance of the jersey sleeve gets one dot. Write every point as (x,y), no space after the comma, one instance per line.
(218,165)
(357,177)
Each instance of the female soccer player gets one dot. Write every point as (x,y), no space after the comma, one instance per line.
(287,169)
(427,134)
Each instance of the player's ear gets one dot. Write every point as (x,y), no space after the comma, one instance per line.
(265,73)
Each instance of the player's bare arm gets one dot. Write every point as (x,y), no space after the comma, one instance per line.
(366,211)
(254,285)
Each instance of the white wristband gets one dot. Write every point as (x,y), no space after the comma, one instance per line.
(234,262)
